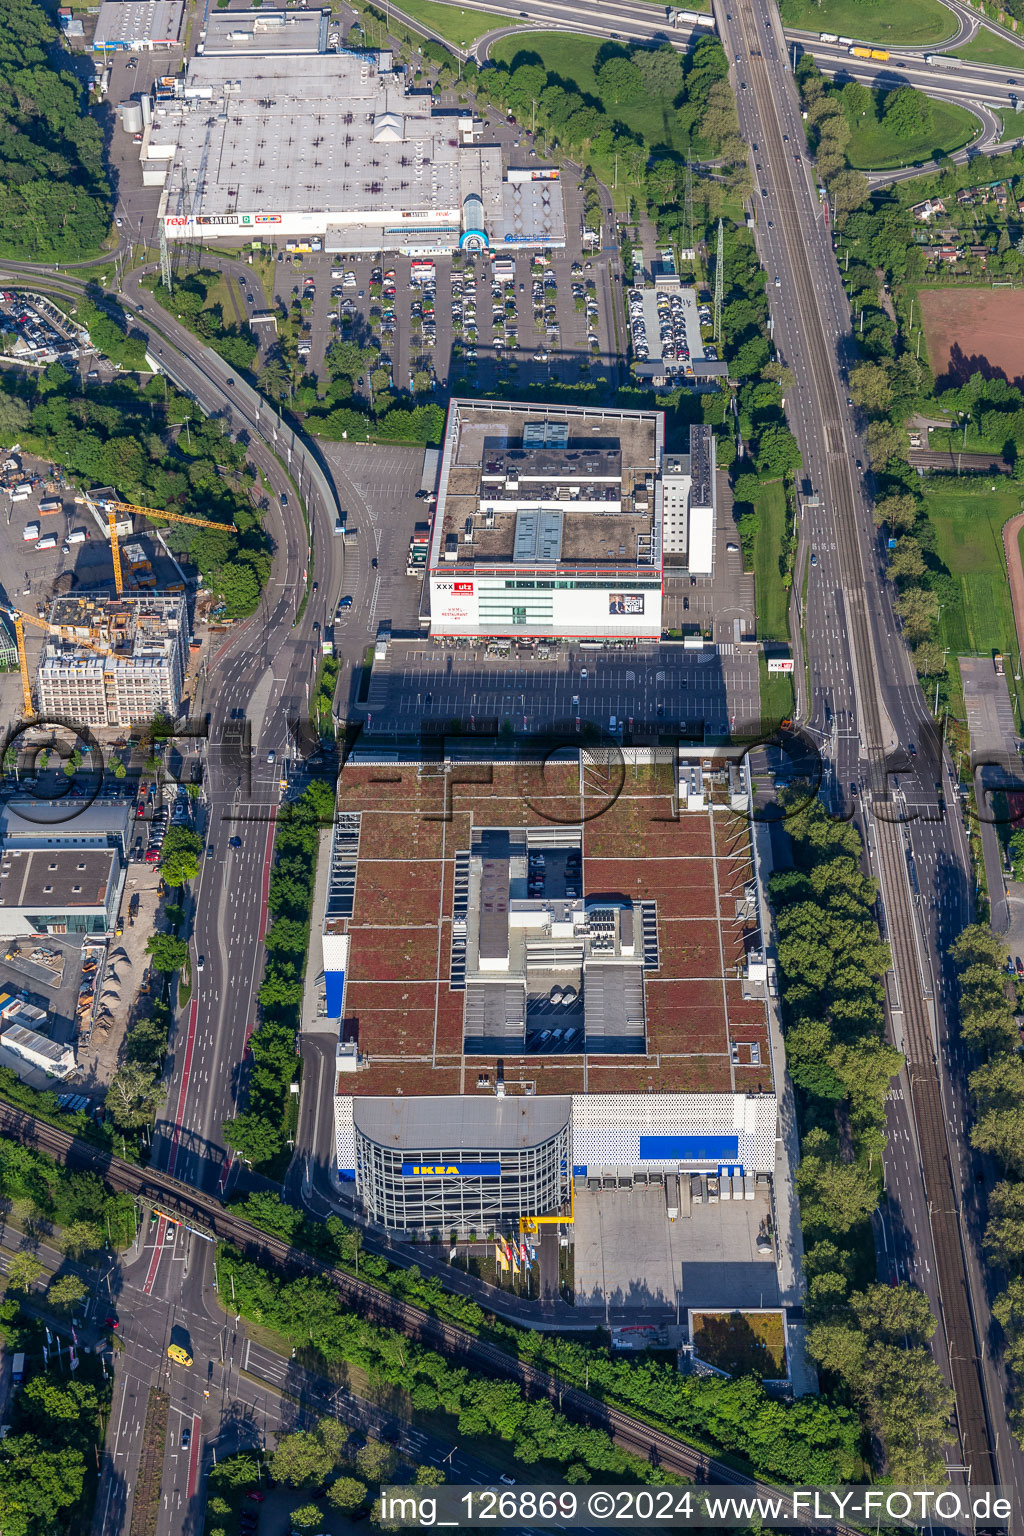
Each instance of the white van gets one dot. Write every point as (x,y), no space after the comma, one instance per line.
(31,532)
(76,536)
(48,543)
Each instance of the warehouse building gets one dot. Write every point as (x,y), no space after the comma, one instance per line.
(35,1049)
(114,661)
(138,24)
(531,985)
(264,136)
(548,522)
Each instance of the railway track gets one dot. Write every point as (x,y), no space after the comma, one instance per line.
(204,1210)
(964,1355)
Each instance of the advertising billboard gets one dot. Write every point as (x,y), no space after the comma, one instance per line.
(625,602)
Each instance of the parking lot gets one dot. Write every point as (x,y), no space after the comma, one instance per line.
(458,326)
(629,1257)
(530,688)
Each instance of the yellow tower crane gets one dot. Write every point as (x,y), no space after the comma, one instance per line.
(114,508)
(19,620)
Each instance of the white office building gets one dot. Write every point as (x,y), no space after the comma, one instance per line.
(691,503)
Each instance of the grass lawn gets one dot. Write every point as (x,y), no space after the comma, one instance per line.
(874,147)
(989,48)
(458,25)
(743,1343)
(873,21)
(771,592)
(573,57)
(968,522)
(1013,122)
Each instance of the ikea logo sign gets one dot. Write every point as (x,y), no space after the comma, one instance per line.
(451,1170)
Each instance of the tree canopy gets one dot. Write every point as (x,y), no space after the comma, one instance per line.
(54,193)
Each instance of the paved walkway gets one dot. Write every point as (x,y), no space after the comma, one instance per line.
(1011,548)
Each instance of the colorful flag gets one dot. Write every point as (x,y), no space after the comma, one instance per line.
(522,1251)
(74,1360)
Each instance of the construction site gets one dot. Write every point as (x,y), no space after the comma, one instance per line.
(99,627)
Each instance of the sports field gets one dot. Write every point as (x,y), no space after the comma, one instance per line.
(968,330)
(968,522)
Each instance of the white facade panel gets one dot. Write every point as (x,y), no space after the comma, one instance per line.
(488,605)
(702,541)
(607,1127)
(345,1134)
(335,951)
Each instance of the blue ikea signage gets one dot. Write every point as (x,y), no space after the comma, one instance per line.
(702,1149)
(451,1170)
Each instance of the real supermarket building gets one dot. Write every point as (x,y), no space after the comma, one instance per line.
(260,139)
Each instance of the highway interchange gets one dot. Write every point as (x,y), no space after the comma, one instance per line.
(265,669)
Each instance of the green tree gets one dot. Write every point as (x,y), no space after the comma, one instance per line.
(253,1137)
(885,443)
(897,1314)
(777,451)
(906,112)
(833,1195)
(348,1493)
(898,513)
(849,190)
(306,1517)
(429,1477)
(919,610)
(23,1271)
(906,562)
(65,1292)
(1004,1234)
(79,1237)
(168,952)
(620,81)
(179,856)
(870,388)
(37,1484)
(660,70)
(978,945)
(998,1088)
(133,1095)
(266,1209)
(375,1461)
(307,1458)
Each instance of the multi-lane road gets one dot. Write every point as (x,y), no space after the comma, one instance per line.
(864,703)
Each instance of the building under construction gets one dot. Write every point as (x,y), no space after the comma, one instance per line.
(113,661)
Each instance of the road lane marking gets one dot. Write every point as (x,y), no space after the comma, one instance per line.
(154,1263)
(190,1042)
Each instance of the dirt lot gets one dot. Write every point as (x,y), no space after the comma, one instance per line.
(119,1000)
(968,330)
